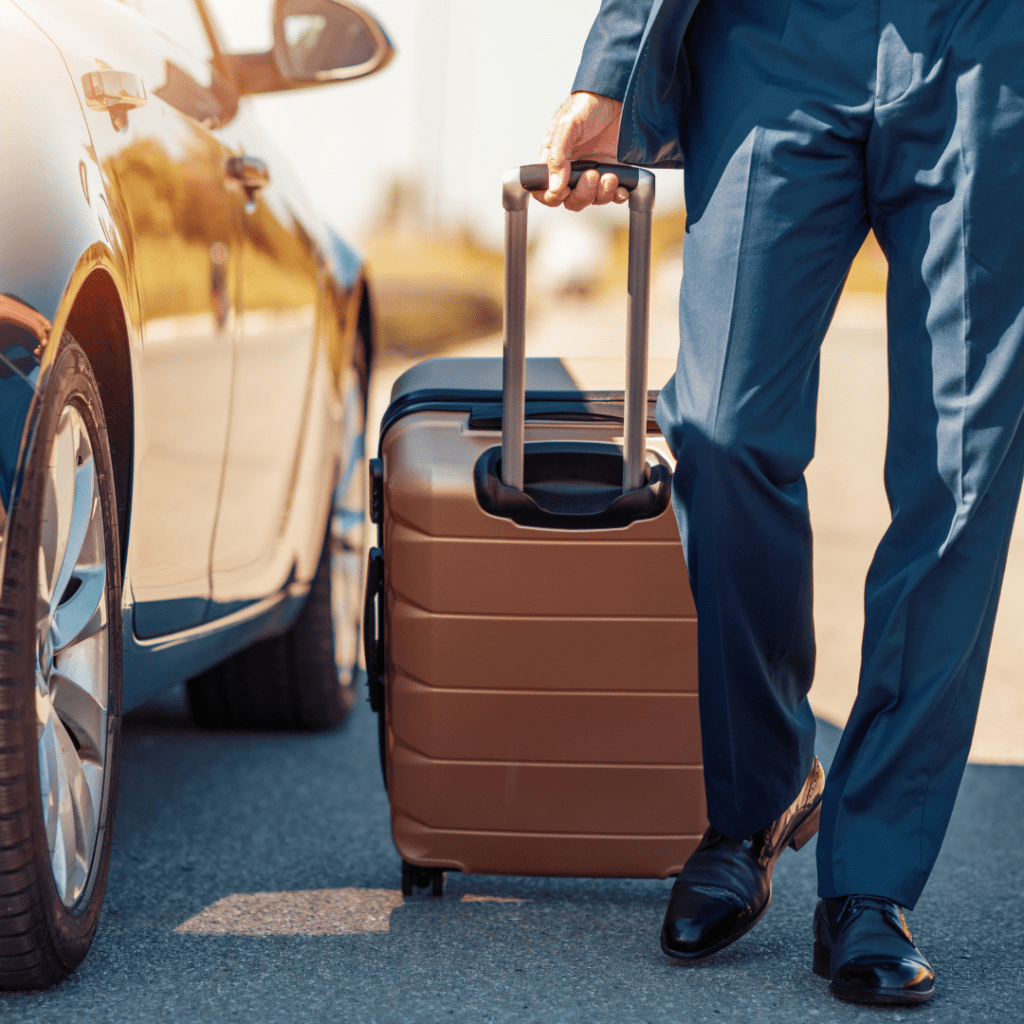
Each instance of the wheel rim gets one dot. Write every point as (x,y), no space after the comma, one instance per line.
(72,643)
(346,565)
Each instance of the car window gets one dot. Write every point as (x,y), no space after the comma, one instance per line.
(180,20)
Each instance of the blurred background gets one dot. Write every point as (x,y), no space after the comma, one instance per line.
(409,162)
(469,94)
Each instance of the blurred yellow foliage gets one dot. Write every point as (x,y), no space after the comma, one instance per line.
(867,274)
(434,292)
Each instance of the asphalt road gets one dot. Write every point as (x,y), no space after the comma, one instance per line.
(207,822)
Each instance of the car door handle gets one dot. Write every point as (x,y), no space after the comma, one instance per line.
(114,91)
(251,172)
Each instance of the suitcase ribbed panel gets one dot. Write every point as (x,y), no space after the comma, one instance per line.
(554,652)
(591,799)
(544,577)
(502,853)
(526,725)
(541,684)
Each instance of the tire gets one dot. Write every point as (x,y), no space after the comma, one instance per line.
(60,685)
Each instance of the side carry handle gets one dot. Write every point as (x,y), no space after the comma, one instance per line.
(517,185)
(375,648)
(374,642)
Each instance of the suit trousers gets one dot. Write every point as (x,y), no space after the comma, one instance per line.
(812,121)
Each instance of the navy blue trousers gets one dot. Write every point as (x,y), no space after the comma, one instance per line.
(812,121)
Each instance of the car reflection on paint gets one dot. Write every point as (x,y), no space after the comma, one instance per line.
(185,349)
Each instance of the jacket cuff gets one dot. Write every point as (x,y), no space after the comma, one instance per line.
(611,48)
(604,76)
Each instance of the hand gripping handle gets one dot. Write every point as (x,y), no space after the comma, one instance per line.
(534,177)
(517,186)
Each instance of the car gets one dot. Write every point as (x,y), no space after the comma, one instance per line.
(185,351)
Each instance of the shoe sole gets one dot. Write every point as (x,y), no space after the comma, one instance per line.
(721,944)
(799,838)
(807,829)
(822,967)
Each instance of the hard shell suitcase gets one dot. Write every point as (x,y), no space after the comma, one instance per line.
(530,634)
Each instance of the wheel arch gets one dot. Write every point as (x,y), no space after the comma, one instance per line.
(97,321)
(347,271)
(367,323)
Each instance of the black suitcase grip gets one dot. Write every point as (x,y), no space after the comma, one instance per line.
(570,485)
(374,643)
(534,177)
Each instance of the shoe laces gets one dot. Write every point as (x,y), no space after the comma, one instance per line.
(755,844)
(889,908)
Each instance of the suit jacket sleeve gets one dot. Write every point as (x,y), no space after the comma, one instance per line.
(611,47)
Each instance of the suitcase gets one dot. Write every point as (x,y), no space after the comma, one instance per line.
(530,635)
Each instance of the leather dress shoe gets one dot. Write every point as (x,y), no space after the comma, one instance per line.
(726,886)
(863,946)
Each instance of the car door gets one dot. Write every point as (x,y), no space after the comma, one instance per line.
(161,157)
(274,390)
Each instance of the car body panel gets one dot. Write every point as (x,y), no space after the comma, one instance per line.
(182,217)
(237,388)
(57,228)
(275,369)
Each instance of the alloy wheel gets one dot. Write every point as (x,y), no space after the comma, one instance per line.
(72,644)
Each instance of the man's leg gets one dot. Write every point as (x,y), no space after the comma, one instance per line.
(781,108)
(775,197)
(945,189)
(946,184)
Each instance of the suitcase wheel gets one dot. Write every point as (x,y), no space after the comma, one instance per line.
(414,876)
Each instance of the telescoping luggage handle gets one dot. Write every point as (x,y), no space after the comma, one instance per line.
(517,186)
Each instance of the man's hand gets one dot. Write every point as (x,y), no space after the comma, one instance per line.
(585,127)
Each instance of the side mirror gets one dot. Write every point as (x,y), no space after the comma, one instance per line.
(320,41)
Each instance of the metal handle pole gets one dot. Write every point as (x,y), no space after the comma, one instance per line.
(634,447)
(516,200)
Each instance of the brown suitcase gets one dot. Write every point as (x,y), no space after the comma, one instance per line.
(531,637)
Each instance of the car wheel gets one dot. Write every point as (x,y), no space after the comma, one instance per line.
(287,682)
(60,685)
(305,679)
